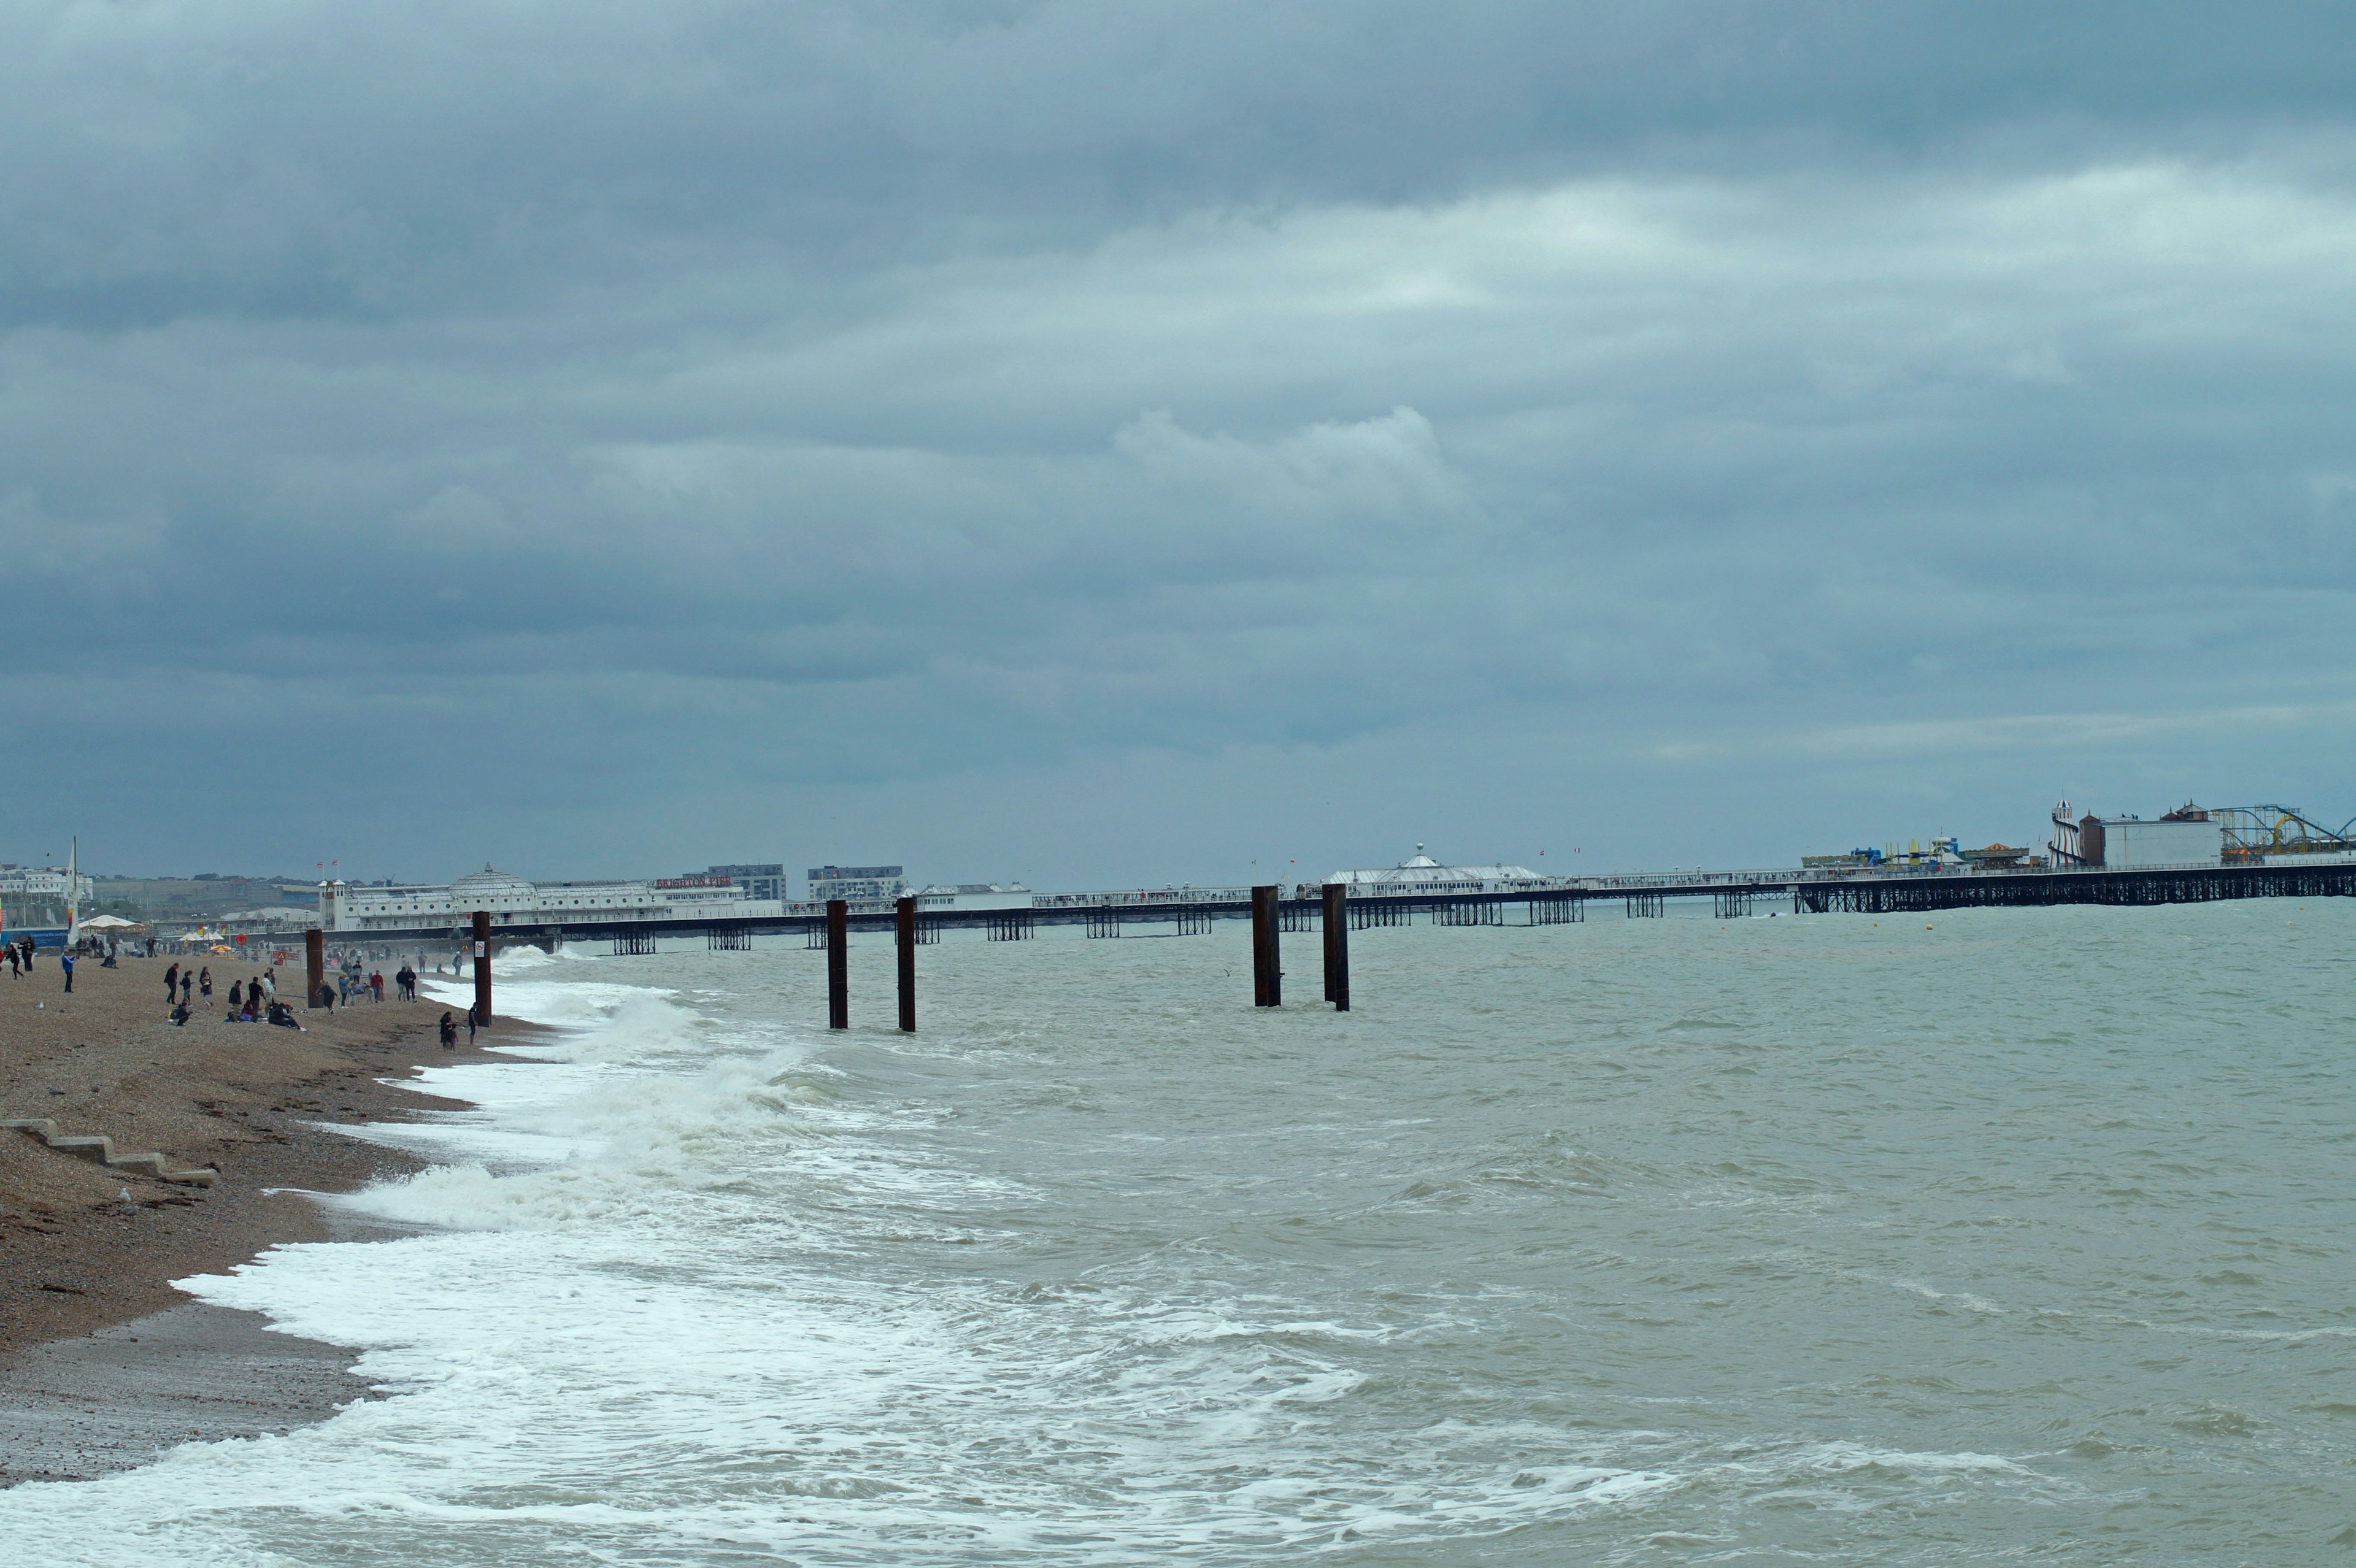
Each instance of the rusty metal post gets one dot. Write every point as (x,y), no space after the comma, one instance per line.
(1268,987)
(314,965)
(482,968)
(1337,948)
(838,964)
(907,911)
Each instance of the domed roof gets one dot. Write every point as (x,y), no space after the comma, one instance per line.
(490,881)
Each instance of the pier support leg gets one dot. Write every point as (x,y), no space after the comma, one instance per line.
(906,913)
(1268,990)
(482,968)
(314,965)
(838,964)
(1337,949)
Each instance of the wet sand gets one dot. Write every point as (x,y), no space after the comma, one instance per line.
(101,1361)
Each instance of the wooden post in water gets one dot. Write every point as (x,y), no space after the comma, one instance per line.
(482,968)
(1268,976)
(314,965)
(1337,949)
(907,911)
(838,964)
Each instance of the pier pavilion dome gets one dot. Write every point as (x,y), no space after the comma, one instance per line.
(1419,873)
(488,889)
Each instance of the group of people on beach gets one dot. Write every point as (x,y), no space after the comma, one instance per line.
(250,1001)
(20,957)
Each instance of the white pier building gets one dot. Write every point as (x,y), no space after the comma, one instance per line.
(1419,873)
(512,900)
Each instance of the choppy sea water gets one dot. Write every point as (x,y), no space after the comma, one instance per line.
(1974,1237)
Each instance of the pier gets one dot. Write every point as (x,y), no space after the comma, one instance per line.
(1542,901)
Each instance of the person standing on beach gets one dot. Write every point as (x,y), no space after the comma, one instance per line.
(449,1033)
(171,985)
(236,996)
(204,984)
(470,1020)
(65,961)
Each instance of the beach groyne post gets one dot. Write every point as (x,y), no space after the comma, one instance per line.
(1268,987)
(838,964)
(1337,948)
(904,912)
(314,965)
(482,968)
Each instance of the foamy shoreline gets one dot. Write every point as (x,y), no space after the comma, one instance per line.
(104,1359)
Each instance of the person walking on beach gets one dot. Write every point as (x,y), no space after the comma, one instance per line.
(376,983)
(14,972)
(449,1033)
(204,984)
(470,1020)
(172,984)
(65,961)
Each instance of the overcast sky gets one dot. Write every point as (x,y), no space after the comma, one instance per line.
(1118,443)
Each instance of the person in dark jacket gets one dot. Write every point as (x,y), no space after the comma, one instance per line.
(172,984)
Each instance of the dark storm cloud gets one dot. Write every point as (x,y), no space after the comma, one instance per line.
(512,429)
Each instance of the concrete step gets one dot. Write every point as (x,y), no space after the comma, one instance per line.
(99,1150)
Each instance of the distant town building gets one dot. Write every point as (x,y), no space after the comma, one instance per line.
(512,900)
(758,881)
(857,883)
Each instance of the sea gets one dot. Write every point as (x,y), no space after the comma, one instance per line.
(1985,1236)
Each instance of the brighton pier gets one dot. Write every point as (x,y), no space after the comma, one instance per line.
(1534,902)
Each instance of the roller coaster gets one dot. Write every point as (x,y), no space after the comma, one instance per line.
(2256,834)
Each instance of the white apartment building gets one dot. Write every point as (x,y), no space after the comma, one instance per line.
(512,900)
(45,883)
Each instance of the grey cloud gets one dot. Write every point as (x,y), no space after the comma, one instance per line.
(495,429)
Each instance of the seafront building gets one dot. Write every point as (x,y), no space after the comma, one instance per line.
(762,882)
(512,900)
(856,884)
(45,883)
